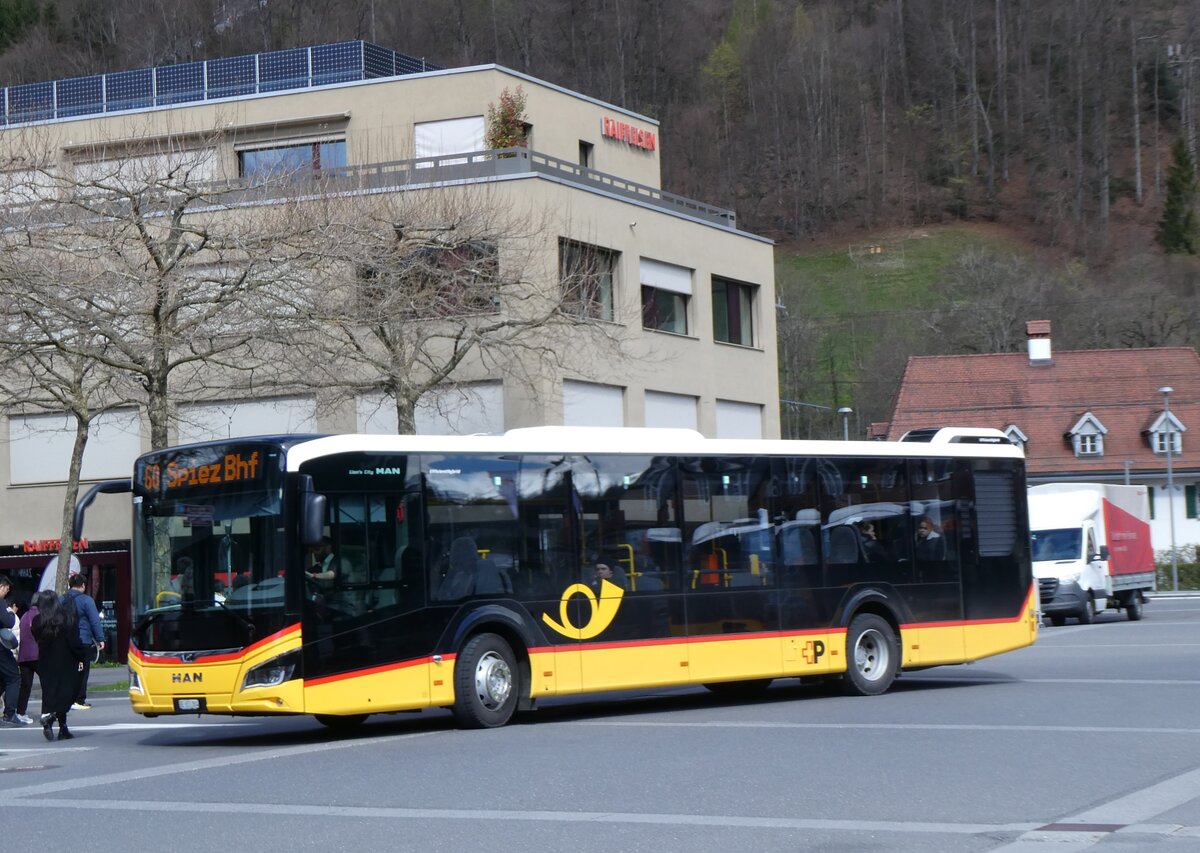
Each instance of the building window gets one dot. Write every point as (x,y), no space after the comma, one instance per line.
(666,292)
(302,160)
(586,273)
(1016,436)
(664,311)
(733,306)
(450,136)
(433,281)
(1161,442)
(1087,436)
(1088,445)
(1189,500)
(585,154)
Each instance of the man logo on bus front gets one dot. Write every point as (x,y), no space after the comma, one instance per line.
(604,610)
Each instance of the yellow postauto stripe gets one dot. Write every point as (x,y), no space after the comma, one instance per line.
(562,669)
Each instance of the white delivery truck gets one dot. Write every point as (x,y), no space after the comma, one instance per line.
(1091,549)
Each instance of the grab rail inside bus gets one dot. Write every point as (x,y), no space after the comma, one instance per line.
(630,563)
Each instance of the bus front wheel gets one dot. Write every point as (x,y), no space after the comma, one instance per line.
(486,683)
(872,656)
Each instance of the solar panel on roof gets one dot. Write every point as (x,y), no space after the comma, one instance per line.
(283,69)
(337,63)
(177,84)
(130,90)
(378,61)
(31,102)
(191,82)
(80,95)
(232,76)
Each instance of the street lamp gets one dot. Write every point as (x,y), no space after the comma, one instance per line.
(845,412)
(1170,436)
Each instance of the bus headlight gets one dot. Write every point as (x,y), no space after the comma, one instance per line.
(135,683)
(272,672)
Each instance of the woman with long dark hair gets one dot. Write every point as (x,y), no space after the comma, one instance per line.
(60,661)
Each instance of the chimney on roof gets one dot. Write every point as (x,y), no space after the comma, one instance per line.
(1039,341)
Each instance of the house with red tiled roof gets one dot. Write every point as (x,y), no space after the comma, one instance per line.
(1081,415)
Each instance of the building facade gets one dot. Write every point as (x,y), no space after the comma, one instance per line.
(688,296)
(1080,415)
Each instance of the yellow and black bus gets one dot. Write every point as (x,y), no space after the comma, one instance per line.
(350,575)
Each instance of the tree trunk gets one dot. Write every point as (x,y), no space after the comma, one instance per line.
(1137,113)
(66,544)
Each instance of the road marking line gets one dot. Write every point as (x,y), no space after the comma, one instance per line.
(1129,812)
(16,793)
(359,812)
(935,727)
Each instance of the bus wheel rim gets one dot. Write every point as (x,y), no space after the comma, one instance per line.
(871,655)
(493,680)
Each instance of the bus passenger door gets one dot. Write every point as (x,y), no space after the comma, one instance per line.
(629,596)
(731,571)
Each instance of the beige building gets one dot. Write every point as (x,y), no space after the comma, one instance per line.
(688,295)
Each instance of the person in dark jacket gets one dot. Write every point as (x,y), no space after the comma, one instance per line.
(91,632)
(10,676)
(27,655)
(60,661)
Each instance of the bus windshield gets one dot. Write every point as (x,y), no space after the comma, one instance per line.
(209,559)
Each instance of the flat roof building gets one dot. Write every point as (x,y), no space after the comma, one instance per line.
(685,300)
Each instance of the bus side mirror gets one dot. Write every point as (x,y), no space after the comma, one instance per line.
(312,514)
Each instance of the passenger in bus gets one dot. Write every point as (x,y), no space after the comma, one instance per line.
(605,572)
(930,544)
(874,552)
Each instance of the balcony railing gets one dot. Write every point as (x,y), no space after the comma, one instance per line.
(483,165)
(46,198)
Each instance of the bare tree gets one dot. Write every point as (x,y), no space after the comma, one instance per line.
(424,292)
(41,371)
(988,296)
(176,267)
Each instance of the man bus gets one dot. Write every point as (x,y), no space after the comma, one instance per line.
(466,567)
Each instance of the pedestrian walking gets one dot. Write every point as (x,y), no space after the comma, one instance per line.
(91,632)
(10,675)
(60,661)
(27,656)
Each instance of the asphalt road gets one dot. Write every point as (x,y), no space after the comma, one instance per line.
(1089,740)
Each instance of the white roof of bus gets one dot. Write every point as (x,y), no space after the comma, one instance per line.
(636,440)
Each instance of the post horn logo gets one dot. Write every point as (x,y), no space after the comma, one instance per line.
(604,610)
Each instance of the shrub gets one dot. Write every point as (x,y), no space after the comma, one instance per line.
(506,121)
(1188,561)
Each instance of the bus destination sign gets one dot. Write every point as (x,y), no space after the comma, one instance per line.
(235,467)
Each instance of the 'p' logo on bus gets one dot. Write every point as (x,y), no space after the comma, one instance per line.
(812,651)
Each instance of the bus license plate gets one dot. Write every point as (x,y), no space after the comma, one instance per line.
(193,705)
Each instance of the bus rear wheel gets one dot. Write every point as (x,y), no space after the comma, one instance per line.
(872,656)
(486,683)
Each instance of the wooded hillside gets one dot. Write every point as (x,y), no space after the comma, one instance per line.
(827,121)
(805,116)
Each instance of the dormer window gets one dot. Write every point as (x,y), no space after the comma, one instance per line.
(1087,436)
(1166,432)
(1016,436)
